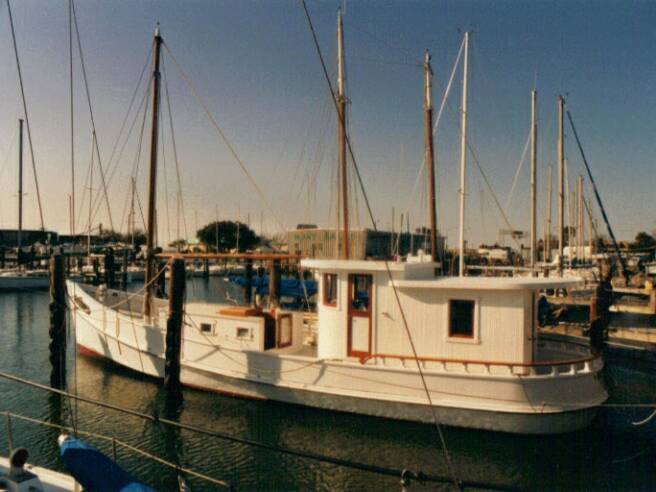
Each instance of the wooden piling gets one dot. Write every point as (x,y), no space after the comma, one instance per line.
(57,329)
(124,272)
(248,288)
(174,324)
(206,268)
(274,284)
(109,268)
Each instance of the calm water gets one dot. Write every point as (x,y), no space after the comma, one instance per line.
(612,454)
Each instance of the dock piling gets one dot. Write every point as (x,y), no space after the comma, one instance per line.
(57,330)
(248,288)
(174,324)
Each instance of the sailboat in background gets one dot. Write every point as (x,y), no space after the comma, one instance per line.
(20,278)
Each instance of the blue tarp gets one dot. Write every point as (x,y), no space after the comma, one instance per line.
(289,287)
(95,471)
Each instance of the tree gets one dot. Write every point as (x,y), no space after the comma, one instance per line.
(110,236)
(643,241)
(228,232)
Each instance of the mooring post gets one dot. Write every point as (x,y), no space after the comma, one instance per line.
(248,287)
(274,284)
(57,330)
(206,268)
(174,324)
(2,257)
(109,268)
(124,273)
(160,291)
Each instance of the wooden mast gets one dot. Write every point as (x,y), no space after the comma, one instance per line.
(341,131)
(547,237)
(561,184)
(152,188)
(19,236)
(463,160)
(430,165)
(534,178)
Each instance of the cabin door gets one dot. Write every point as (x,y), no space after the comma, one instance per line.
(359,315)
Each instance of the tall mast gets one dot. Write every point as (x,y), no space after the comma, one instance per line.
(547,236)
(561,183)
(19,238)
(463,159)
(534,176)
(579,228)
(152,187)
(341,130)
(430,165)
(93,142)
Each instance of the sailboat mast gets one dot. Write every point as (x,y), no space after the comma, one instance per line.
(534,178)
(561,183)
(341,131)
(430,164)
(19,236)
(463,159)
(152,187)
(547,238)
(132,217)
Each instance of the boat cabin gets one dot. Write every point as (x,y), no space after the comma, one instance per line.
(450,318)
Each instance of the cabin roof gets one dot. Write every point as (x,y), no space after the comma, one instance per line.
(365,265)
(490,283)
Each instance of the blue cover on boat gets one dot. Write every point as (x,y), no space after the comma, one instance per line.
(95,471)
(289,287)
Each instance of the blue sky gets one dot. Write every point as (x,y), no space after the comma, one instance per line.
(255,65)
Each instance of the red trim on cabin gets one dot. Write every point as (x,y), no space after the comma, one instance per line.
(325,289)
(358,313)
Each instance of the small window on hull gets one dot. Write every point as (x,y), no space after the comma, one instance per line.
(206,327)
(243,332)
(461,318)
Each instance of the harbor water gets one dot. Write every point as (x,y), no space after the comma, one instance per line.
(613,454)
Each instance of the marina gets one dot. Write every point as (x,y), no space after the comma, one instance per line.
(158,338)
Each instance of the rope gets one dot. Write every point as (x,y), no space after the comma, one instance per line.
(113,440)
(93,123)
(175,152)
(227,142)
(131,296)
(27,118)
(519,168)
(454,478)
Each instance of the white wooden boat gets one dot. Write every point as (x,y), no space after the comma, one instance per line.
(476,342)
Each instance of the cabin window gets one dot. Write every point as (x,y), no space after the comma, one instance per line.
(243,332)
(330,289)
(361,290)
(206,327)
(461,318)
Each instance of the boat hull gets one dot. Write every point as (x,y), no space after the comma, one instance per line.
(495,402)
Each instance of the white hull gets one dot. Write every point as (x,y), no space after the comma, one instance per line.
(512,399)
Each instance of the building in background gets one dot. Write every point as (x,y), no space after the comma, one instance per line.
(313,242)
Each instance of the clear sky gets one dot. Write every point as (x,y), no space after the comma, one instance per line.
(256,66)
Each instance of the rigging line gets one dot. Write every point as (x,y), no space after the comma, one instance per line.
(387,62)
(135,449)
(165,177)
(519,169)
(445,450)
(145,100)
(227,142)
(346,463)
(93,123)
(598,197)
(175,151)
(27,118)
(115,162)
